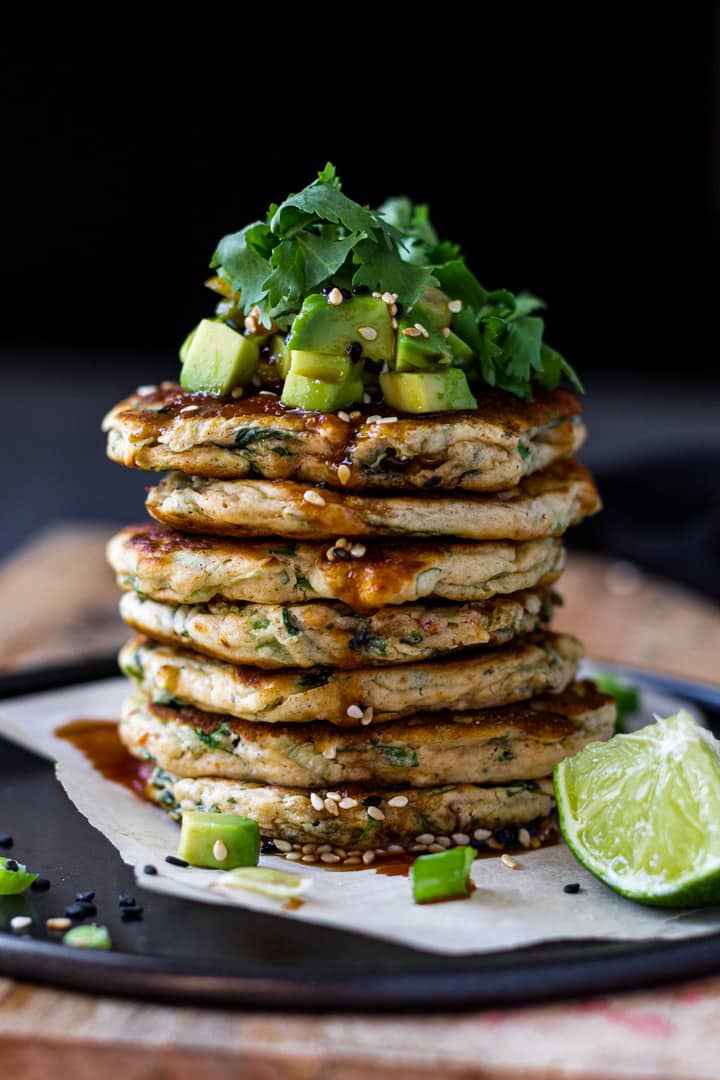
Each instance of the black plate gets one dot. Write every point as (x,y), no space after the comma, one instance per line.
(186,951)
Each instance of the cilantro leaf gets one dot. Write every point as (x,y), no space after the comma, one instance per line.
(303,262)
(240,262)
(381,269)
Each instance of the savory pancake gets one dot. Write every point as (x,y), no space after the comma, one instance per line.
(308,635)
(356,698)
(178,568)
(365,818)
(488,449)
(522,741)
(544,504)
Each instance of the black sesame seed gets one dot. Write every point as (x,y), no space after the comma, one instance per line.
(354,351)
(80,911)
(341,554)
(175,861)
(400,310)
(40,884)
(268,848)
(131,914)
(327,290)
(150,870)
(87,896)
(479,845)
(507,835)
(432,481)
(6,841)
(573,887)
(361,290)
(11,865)
(126,901)
(372,800)
(347,295)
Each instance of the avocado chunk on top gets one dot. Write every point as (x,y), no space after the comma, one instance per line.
(322,383)
(216,358)
(417,352)
(427,391)
(323,327)
(218,841)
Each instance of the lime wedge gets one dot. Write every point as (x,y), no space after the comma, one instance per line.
(642,812)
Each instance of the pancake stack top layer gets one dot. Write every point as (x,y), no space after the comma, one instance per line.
(343,617)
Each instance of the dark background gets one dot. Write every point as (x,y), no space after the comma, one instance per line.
(571,153)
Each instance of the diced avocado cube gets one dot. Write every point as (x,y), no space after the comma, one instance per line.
(88,937)
(331,328)
(280,354)
(462,354)
(416,352)
(432,308)
(185,347)
(13,882)
(317,395)
(427,391)
(217,358)
(313,365)
(442,876)
(218,841)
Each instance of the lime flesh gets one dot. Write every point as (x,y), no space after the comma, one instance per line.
(642,812)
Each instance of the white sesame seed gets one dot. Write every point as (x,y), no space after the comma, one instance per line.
(355,851)
(237,391)
(251,324)
(267,393)
(282,845)
(143,391)
(366,399)
(334,795)
(395,324)
(455,306)
(435,848)
(425,838)
(445,331)
(309,849)
(411,331)
(355,414)
(352,860)
(322,848)
(367,716)
(534,843)
(314,497)
(328,857)
(368,857)
(421,330)
(375,813)
(347,803)
(335,297)
(494,844)
(297,847)
(357,551)
(189,408)
(387,298)
(340,851)
(376,295)
(460,838)
(330,554)
(395,849)
(443,841)
(524,837)
(367,332)
(343,473)
(219,851)
(507,860)
(388,420)
(343,542)
(60,923)
(398,800)
(380,851)
(331,807)
(20,922)
(354,712)
(309,858)
(187,804)
(315,801)
(342,415)
(256,380)
(293,856)
(419,847)
(330,753)
(374,419)
(482,834)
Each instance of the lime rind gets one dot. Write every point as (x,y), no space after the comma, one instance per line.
(642,812)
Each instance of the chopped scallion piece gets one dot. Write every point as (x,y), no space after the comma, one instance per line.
(442,876)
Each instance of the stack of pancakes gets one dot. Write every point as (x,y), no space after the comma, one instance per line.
(343,618)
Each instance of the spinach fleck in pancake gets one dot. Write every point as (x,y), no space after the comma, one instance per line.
(176,567)
(512,742)
(544,504)
(365,818)
(474,680)
(307,635)
(486,449)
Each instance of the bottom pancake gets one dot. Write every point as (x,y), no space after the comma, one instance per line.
(490,746)
(361,819)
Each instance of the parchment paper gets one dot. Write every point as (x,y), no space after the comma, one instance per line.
(510,908)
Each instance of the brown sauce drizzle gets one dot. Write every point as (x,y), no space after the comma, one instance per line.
(98,741)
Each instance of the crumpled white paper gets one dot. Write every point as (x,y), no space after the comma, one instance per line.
(510,908)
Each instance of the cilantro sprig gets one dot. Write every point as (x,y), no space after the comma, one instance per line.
(319,236)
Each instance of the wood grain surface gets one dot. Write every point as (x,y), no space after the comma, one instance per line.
(58,602)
